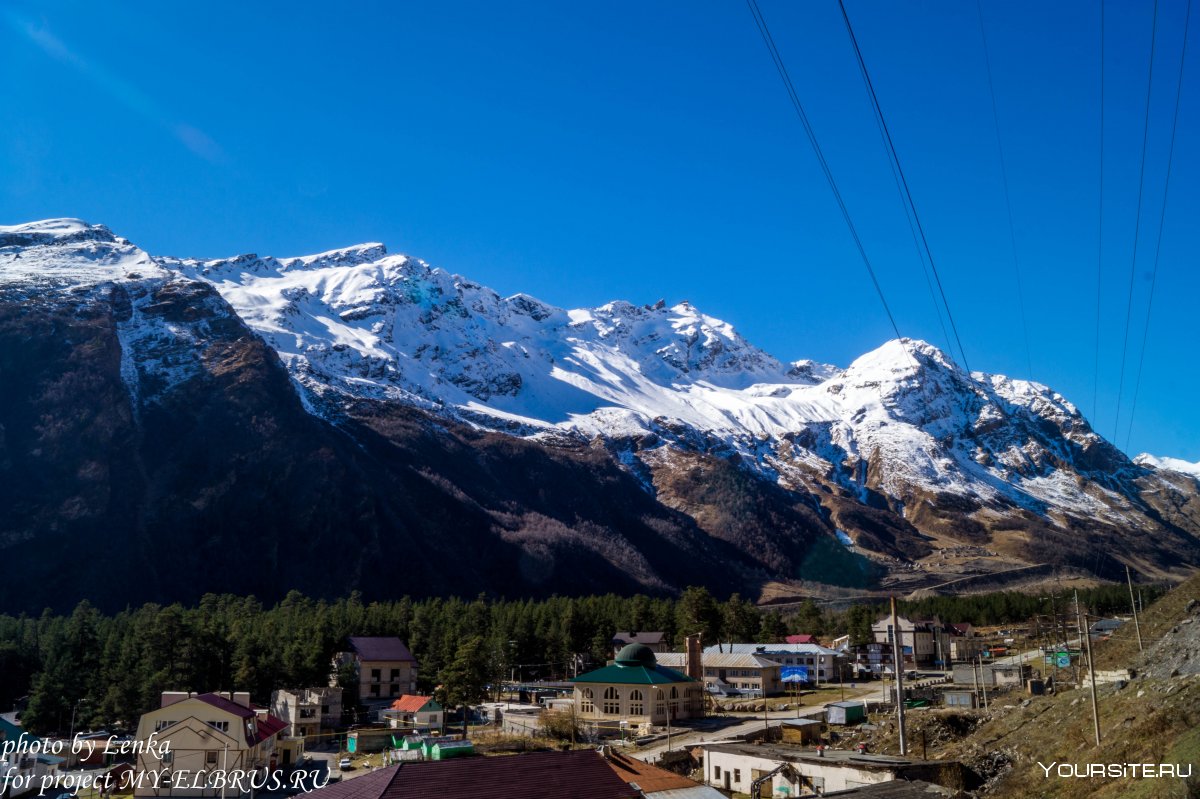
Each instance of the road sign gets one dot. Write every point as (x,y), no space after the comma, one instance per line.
(1062,660)
(794,674)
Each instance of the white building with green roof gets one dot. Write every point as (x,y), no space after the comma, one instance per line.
(637,690)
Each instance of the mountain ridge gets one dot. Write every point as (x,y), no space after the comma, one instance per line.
(899,465)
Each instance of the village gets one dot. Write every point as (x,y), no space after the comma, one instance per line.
(663,719)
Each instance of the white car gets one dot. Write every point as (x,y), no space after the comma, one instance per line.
(344,764)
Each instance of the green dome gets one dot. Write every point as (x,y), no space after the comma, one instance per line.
(637,655)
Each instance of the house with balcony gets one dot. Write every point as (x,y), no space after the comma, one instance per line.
(925,643)
(191,738)
(308,711)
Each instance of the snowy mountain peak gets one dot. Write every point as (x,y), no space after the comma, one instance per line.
(47,231)
(345,256)
(899,359)
(1170,464)
(64,253)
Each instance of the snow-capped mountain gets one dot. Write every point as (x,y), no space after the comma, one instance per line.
(1172,464)
(899,462)
(361,323)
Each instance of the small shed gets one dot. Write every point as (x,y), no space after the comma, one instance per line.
(443,750)
(802,731)
(845,712)
(365,741)
(428,745)
(960,699)
(412,742)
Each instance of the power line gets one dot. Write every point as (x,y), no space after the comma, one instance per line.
(937,309)
(1162,216)
(1012,235)
(1137,222)
(904,182)
(765,32)
(1099,233)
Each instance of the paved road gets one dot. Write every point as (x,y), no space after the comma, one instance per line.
(733,725)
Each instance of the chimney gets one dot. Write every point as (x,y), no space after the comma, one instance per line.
(693,663)
(242,698)
(171,697)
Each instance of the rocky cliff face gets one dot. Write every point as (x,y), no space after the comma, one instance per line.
(323,422)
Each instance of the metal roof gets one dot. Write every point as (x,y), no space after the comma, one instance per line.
(720,661)
(380,648)
(771,649)
(618,674)
(581,774)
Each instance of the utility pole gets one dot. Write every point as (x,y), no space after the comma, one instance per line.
(1091,671)
(983,682)
(1136,625)
(898,653)
(1080,622)
(766,720)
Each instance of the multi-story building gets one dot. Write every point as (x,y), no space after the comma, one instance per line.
(384,669)
(872,659)
(821,663)
(308,711)
(925,642)
(198,736)
(733,673)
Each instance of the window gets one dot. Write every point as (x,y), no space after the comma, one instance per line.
(737,775)
(374,690)
(612,701)
(395,689)
(716,772)
(636,708)
(660,703)
(165,757)
(210,758)
(223,726)
(324,710)
(162,725)
(585,701)
(376,675)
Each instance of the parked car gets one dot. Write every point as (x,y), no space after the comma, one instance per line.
(344,764)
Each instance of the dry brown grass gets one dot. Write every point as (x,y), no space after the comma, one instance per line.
(1122,648)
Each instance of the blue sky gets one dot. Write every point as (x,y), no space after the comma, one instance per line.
(587,152)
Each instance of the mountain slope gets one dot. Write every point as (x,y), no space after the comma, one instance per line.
(502,444)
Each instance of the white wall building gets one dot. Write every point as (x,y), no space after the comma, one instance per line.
(734,766)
